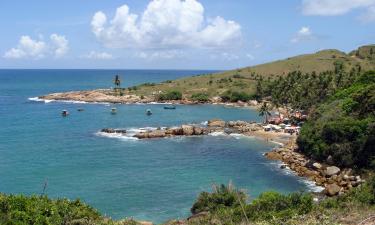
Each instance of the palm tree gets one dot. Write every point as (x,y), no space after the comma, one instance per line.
(264,111)
(117,81)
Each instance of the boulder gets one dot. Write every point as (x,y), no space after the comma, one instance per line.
(273,156)
(113,131)
(177,131)
(332,170)
(317,166)
(216,123)
(157,134)
(198,131)
(332,189)
(141,135)
(188,130)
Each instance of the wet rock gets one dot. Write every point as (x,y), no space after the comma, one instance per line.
(141,135)
(332,170)
(113,131)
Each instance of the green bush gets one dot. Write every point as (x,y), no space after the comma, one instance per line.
(200,97)
(222,197)
(271,205)
(171,95)
(234,96)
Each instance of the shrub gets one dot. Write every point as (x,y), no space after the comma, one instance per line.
(222,197)
(234,96)
(271,205)
(200,97)
(171,95)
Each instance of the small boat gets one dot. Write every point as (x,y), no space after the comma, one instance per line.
(170,107)
(148,112)
(113,110)
(80,110)
(65,113)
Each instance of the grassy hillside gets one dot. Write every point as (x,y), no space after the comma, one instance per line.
(242,80)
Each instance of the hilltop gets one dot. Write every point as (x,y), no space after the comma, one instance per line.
(242,80)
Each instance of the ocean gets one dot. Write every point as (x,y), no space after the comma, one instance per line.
(122,177)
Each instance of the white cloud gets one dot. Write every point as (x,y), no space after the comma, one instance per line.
(250,56)
(333,7)
(166,54)
(304,34)
(60,44)
(369,15)
(37,49)
(165,24)
(98,55)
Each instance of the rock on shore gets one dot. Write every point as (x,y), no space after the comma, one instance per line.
(334,180)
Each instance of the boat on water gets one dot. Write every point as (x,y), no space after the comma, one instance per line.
(148,112)
(65,112)
(170,107)
(80,110)
(113,110)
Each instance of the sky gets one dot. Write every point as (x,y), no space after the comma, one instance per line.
(176,34)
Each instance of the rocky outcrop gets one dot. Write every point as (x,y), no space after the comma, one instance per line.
(332,170)
(184,130)
(216,123)
(187,130)
(113,131)
(334,180)
(332,189)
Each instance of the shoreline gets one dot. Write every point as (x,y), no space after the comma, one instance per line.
(104,96)
(334,183)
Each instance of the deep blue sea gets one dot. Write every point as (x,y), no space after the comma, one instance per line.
(146,179)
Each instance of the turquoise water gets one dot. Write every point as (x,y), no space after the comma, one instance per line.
(146,179)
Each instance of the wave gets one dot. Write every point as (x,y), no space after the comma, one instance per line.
(37,99)
(311,185)
(116,136)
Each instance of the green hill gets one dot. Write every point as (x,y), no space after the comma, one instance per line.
(242,80)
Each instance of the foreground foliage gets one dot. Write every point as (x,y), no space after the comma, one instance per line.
(40,210)
(295,208)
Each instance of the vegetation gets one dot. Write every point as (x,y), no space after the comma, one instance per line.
(264,111)
(243,80)
(344,126)
(40,210)
(200,97)
(303,91)
(170,95)
(275,208)
(234,96)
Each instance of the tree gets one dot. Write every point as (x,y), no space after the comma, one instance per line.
(264,111)
(117,81)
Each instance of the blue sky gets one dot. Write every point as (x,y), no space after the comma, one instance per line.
(177,34)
